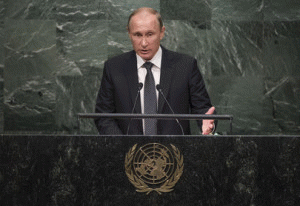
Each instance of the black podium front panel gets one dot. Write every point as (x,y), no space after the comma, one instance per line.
(138,170)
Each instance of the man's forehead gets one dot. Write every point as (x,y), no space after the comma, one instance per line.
(143,18)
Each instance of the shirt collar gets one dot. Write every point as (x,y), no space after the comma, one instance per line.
(156,60)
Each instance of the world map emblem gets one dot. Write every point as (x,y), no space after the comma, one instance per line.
(154,167)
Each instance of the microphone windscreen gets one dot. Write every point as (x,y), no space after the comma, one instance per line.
(140,86)
(158,87)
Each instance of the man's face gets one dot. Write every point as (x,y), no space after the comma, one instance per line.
(145,34)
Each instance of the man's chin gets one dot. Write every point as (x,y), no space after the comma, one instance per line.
(146,57)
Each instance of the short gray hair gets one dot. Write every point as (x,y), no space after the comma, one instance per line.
(150,10)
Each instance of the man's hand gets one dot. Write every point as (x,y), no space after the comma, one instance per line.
(208,124)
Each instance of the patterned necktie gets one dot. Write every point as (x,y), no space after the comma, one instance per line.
(150,102)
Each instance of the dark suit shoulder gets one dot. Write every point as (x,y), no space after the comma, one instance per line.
(122,58)
(121,65)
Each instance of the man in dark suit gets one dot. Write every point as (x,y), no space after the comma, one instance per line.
(177,74)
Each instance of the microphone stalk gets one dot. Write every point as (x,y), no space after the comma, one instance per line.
(158,87)
(140,86)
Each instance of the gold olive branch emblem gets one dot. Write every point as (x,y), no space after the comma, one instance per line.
(141,186)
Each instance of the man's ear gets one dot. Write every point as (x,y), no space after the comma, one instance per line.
(162,32)
(128,32)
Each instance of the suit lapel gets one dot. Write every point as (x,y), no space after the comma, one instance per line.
(167,72)
(131,74)
(166,76)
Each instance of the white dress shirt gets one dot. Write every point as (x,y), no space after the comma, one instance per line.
(142,72)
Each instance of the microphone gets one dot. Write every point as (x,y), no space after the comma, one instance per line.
(158,87)
(140,86)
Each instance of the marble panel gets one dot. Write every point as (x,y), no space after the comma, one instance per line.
(2,40)
(186,37)
(73,10)
(1,74)
(81,45)
(29,35)
(278,10)
(1,105)
(30,53)
(76,94)
(118,39)
(31,107)
(197,11)
(237,10)
(286,29)
(242,97)
(284,103)
(120,10)
(133,4)
(258,105)
(30,48)
(236,48)
(2,9)
(281,57)
(56,9)
(29,9)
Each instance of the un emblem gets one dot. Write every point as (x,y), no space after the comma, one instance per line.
(154,167)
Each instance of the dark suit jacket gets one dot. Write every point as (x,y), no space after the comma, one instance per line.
(181,83)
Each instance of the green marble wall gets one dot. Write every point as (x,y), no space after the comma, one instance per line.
(52,54)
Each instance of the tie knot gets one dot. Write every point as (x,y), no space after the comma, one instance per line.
(148,65)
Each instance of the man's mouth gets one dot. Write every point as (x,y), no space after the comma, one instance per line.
(144,51)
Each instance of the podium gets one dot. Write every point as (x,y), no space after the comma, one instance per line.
(175,117)
(96,170)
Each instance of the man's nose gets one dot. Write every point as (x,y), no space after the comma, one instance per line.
(144,42)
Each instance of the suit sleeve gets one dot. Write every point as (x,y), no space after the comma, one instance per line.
(105,104)
(199,98)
